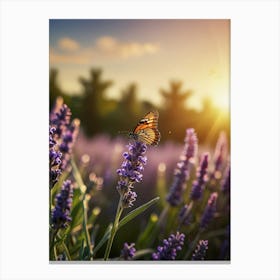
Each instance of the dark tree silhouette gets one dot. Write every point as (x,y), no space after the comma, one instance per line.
(54,88)
(127,112)
(175,98)
(174,114)
(98,114)
(94,103)
(129,105)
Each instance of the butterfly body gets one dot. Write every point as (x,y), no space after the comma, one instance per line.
(147,129)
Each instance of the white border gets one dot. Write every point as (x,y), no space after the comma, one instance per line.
(255,138)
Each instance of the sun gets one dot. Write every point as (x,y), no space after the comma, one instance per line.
(221,98)
(222,103)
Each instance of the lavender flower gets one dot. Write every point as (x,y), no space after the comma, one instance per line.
(200,251)
(219,157)
(184,216)
(181,172)
(68,138)
(128,199)
(226,182)
(61,118)
(131,172)
(63,134)
(170,247)
(128,251)
(198,185)
(61,213)
(54,159)
(209,211)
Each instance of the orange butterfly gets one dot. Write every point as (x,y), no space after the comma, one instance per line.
(147,129)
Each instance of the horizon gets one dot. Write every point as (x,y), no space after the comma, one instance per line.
(149,53)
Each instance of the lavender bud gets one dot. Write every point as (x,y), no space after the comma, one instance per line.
(60,119)
(226,182)
(128,251)
(199,184)
(62,135)
(170,247)
(181,172)
(200,251)
(190,143)
(54,159)
(67,141)
(209,211)
(131,171)
(219,157)
(184,216)
(128,199)
(61,213)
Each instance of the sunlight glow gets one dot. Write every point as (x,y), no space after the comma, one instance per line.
(222,103)
(221,96)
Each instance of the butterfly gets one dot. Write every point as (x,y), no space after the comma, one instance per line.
(146,129)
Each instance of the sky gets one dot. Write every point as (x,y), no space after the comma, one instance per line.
(150,53)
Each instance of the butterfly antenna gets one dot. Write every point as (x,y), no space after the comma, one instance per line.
(123,132)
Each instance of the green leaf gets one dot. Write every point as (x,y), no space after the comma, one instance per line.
(86,255)
(81,252)
(103,240)
(140,253)
(78,177)
(149,233)
(131,215)
(125,220)
(76,215)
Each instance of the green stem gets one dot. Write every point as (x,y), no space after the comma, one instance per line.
(103,240)
(83,189)
(159,225)
(85,228)
(55,253)
(192,245)
(66,251)
(163,215)
(114,229)
(52,241)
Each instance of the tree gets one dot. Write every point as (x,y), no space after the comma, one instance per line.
(175,98)
(54,88)
(174,114)
(94,104)
(127,111)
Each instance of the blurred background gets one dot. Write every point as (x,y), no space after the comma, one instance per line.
(112,72)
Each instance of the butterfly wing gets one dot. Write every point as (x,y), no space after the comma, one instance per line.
(149,121)
(147,129)
(150,136)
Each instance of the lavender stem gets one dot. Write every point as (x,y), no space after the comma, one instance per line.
(114,229)
(192,245)
(186,215)
(83,188)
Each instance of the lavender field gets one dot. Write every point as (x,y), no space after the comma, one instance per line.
(117,199)
(139,140)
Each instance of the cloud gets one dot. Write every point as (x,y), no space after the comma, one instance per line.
(68,44)
(69,51)
(114,47)
(107,44)
(57,58)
